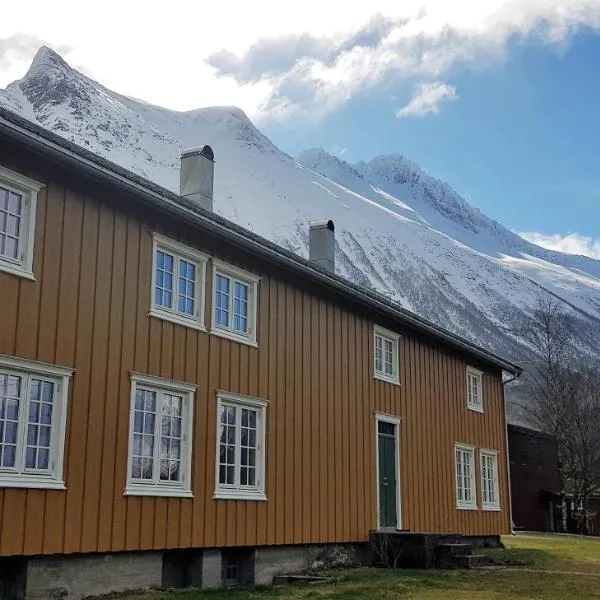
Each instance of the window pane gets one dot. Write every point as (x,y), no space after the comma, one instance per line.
(378,354)
(463,476)
(248,440)
(227,434)
(389,357)
(170,438)
(386,428)
(163,292)
(10,398)
(41,397)
(144,422)
(222,301)
(186,287)
(10,223)
(14,203)
(240,307)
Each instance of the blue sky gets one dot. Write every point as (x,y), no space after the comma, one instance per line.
(520,141)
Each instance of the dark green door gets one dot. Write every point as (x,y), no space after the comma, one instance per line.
(388,488)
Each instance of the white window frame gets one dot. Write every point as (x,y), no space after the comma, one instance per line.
(461,504)
(478,375)
(199,259)
(234,491)
(28,189)
(385,418)
(394,338)
(60,377)
(236,274)
(183,489)
(485,504)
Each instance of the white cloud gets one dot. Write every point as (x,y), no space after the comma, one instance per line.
(167,56)
(427,99)
(571,243)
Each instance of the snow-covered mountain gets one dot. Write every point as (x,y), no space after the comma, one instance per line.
(398,230)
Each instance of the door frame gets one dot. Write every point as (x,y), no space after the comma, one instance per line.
(385,418)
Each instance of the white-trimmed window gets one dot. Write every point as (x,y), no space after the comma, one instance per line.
(465,476)
(33,414)
(178,277)
(240,460)
(235,295)
(474,390)
(160,437)
(385,355)
(18,198)
(490,498)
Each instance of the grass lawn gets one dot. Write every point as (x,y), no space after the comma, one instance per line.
(548,553)
(557,552)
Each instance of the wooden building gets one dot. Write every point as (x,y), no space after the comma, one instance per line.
(177,390)
(536,486)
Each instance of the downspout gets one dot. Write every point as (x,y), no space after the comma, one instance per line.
(510,510)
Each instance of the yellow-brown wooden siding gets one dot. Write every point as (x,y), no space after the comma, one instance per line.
(88,310)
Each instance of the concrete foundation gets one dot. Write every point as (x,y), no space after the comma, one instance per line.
(73,577)
(270,561)
(212,569)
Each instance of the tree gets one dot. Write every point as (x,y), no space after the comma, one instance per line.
(564,402)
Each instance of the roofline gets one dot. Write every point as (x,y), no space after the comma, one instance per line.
(49,143)
(530,431)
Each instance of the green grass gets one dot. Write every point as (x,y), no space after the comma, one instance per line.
(557,552)
(548,553)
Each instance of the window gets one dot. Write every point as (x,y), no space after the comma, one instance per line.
(490,499)
(465,477)
(18,198)
(474,390)
(386,355)
(33,410)
(240,447)
(235,298)
(160,439)
(178,283)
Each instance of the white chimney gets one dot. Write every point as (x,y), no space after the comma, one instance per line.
(196,176)
(322,245)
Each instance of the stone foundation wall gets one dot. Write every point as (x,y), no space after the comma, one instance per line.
(73,577)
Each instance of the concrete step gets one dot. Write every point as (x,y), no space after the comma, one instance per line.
(472,561)
(453,556)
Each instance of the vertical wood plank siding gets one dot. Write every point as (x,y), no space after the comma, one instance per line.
(88,309)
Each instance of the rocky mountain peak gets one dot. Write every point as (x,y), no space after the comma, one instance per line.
(51,82)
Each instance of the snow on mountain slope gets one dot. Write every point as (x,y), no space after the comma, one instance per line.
(398,230)
(399,184)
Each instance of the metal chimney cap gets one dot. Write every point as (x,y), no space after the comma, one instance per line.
(205,151)
(323,225)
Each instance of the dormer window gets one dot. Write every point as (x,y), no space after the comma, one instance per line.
(18,199)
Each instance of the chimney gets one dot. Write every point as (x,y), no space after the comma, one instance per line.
(321,245)
(196,176)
